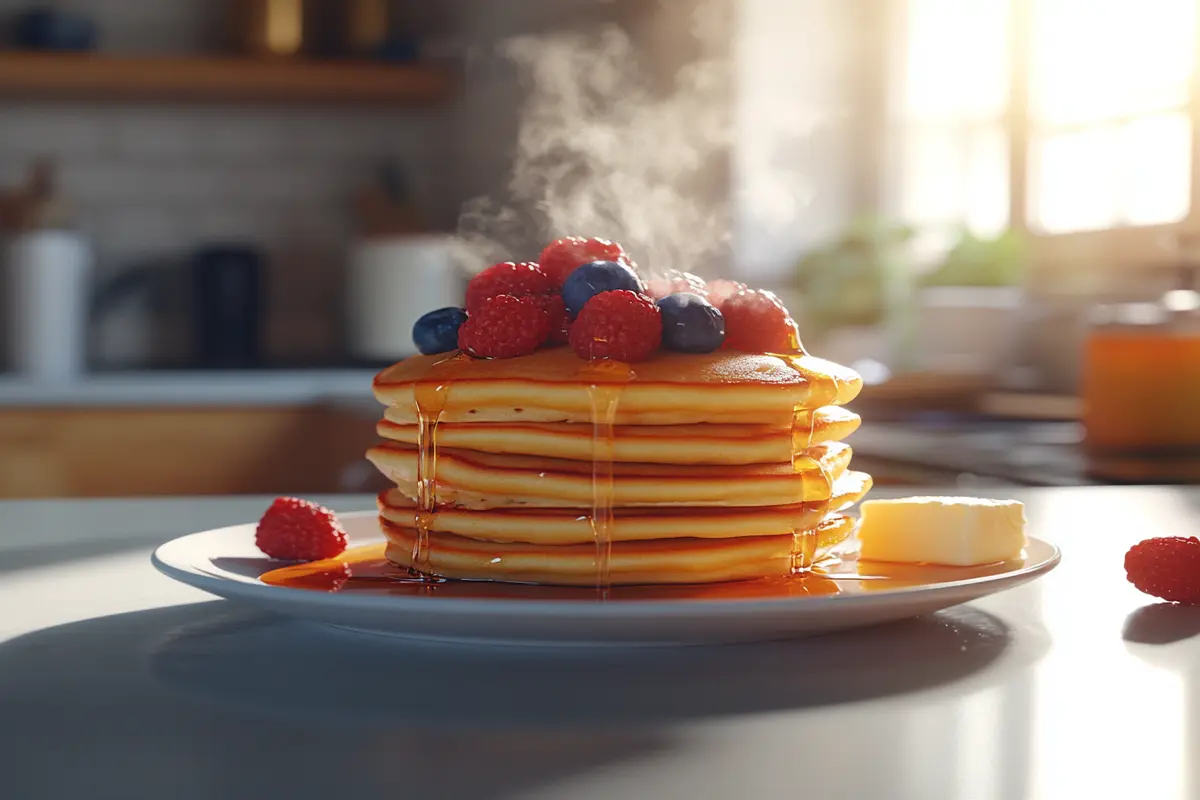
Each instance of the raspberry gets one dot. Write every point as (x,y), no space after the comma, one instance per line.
(721,290)
(757,322)
(561,257)
(519,280)
(1167,567)
(299,530)
(560,323)
(619,325)
(675,282)
(505,327)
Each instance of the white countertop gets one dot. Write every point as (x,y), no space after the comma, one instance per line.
(234,387)
(117,682)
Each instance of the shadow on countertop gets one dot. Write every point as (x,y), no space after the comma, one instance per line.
(209,700)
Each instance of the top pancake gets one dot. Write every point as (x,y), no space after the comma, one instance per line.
(555,385)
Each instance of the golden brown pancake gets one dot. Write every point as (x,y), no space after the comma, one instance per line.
(707,443)
(559,526)
(486,480)
(641,562)
(555,385)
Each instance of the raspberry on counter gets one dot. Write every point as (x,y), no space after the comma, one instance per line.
(1166,567)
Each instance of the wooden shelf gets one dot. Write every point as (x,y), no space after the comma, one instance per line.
(215,79)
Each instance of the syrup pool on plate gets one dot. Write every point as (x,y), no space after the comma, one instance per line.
(365,570)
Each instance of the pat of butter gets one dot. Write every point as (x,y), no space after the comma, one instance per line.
(956,531)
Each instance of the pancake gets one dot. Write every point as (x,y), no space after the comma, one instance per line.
(709,443)
(559,526)
(486,480)
(555,385)
(664,561)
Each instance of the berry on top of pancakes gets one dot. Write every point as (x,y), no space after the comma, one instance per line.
(586,292)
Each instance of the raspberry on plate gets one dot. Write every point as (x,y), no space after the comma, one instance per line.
(620,325)
(1167,567)
(299,530)
(757,322)
(505,327)
(562,256)
(517,279)
(675,282)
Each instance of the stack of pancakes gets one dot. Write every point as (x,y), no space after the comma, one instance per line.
(715,467)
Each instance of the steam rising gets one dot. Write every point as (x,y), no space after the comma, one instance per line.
(600,153)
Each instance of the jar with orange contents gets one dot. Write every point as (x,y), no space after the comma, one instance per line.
(1141,391)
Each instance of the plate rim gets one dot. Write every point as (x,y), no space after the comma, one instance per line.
(454,606)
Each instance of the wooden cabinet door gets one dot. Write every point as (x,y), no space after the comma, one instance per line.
(104,452)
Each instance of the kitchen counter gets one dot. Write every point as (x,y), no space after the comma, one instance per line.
(1000,451)
(115,681)
(195,388)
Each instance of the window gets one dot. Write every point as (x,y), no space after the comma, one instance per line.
(1075,114)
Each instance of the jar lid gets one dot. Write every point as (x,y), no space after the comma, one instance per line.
(1175,313)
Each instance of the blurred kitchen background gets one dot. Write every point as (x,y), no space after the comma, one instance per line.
(220,219)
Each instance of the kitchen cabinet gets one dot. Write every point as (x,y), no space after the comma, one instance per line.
(149,451)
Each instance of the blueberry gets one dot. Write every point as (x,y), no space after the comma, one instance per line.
(690,324)
(437,331)
(593,278)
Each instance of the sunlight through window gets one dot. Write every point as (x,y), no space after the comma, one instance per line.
(950,143)
(1108,103)
(1109,130)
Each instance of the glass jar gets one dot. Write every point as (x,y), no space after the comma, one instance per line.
(1141,390)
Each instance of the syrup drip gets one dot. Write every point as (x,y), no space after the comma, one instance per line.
(823,390)
(607,381)
(429,397)
(804,540)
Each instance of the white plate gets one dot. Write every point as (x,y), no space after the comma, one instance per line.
(226,563)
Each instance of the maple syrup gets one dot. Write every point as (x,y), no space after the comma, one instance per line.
(804,539)
(606,380)
(823,390)
(366,570)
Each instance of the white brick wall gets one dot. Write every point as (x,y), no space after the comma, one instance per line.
(266,166)
(154,181)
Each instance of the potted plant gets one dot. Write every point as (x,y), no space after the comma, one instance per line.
(850,290)
(967,309)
